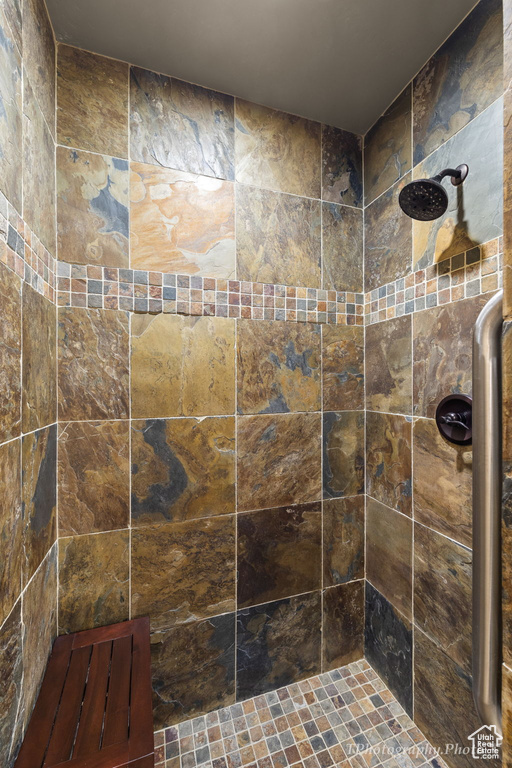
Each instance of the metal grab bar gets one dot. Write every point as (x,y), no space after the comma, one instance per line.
(487,484)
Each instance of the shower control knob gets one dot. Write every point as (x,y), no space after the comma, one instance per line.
(453,419)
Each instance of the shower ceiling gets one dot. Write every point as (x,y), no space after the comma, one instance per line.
(337,61)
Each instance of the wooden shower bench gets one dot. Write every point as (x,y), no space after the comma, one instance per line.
(94,707)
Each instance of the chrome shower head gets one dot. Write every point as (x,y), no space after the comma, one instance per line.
(426,199)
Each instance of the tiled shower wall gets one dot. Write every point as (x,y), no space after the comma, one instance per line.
(204,431)
(199,436)
(157,509)
(425,284)
(507,392)
(28,402)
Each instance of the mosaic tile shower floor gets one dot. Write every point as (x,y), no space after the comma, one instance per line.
(345,718)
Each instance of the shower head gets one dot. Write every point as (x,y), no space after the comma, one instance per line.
(426,199)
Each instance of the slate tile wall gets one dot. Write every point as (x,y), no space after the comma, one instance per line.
(190,447)
(507,393)
(211,470)
(28,395)
(417,351)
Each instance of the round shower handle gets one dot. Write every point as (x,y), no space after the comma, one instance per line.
(453,419)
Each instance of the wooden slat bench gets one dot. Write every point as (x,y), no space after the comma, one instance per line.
(94,706)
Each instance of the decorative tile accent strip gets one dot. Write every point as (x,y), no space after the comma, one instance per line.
(156,292)
(472,273)
(24,253)
(342,718)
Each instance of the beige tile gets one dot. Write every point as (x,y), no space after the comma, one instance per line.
(279,460)
(276,150)
(182,366)
(92,102)
(181,222)
(389,555)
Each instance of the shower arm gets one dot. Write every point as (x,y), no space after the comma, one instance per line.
(457,175)
(487,484)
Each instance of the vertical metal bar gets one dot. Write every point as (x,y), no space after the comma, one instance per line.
(487,512)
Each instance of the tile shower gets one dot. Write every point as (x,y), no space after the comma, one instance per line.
(220,362)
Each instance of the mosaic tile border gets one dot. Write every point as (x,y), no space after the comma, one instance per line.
(23,252)
(156,292)
(471,273)
(346,717)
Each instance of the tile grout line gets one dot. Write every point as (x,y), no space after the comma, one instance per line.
(130,322)
(322,279)
(413,648)
(57,391)
(423,525)
(236,330)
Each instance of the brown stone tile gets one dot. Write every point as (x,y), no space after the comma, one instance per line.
(279,460)
(193,667)
(507,164)
(343,625)
(389,366)
(93,476)
(39,56)
(92,102)
(507,716)
(182,469)
(11,526)
(343,540)
(279,553)
(278,367)
(181,222)
(342,248)
(92,208)
(342,167)
(40,627)
(460,80)
(278,237)
(93,350)
(38,171)
(39,397)
(277,150)
(448,511)
(442,593)
(388,457)
(182,366)
(342,367)
(506,568)
(12,703)
(183,571)
(179,125)
(507,390)
(93,580)
(343,454)
(12,10)
(278,643)
(442,351)
(388,239)
(39,497)
(474,211)
(387,147)
(389,647)
(11,126)
(10,354)
(389,555)
(444,708)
